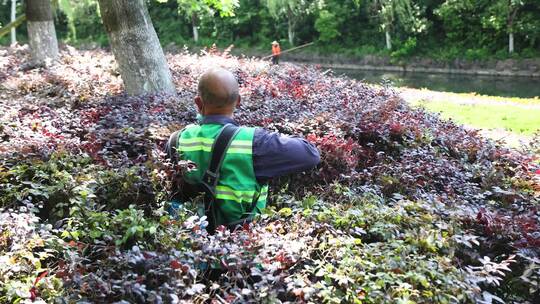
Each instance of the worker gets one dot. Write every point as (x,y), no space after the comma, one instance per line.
(276,52)
(253,156)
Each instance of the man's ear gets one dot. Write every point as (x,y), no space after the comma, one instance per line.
(199,103)
(238,101)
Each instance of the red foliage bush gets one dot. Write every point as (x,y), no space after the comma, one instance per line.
(368,136)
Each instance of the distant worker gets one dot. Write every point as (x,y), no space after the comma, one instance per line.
(235,163)
(276,51)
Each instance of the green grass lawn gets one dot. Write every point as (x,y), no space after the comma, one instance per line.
(516,119)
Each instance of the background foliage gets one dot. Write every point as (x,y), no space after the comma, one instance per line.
(440,29)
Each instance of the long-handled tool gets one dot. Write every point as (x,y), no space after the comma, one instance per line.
(291,49)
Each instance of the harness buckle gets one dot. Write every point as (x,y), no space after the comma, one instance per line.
(210,178)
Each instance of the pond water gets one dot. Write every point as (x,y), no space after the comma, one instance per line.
(486,85)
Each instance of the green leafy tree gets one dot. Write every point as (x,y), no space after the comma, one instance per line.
(404,13)
(460,22)
(85,14)
(443,29)
(487,25)
(327,25)
(332,16)
(250,26)
(196,9)
(292,11)
(501,15)
(528,24)
(83,19)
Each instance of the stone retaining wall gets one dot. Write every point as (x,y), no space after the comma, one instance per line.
(508,67)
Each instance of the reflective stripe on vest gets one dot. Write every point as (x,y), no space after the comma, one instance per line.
(205,144)
(226,193)
(237,185)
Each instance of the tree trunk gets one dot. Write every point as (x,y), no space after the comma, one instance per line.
(510,24)
(194,26)
(291,34)
(13,18)
(136,47)
(510,42)
(41,32)
(388,39)
(290,27)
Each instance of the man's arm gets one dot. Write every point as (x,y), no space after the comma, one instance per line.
(276,155)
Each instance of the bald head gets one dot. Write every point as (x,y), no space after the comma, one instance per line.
(218,88)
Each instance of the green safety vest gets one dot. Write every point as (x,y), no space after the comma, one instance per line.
(237,187)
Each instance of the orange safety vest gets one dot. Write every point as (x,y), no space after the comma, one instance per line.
(276,50)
